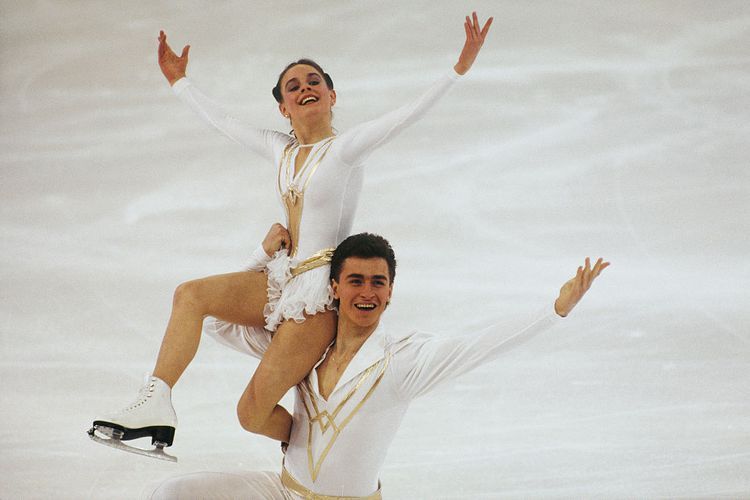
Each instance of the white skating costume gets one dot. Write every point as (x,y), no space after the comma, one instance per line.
(337,447)
(320,201)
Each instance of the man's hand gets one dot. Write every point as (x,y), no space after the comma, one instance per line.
(572,291)
(276,239)
(474,41)
(171,65)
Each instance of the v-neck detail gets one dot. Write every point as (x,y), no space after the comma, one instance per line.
(288,164)
(371,352)
(292,188)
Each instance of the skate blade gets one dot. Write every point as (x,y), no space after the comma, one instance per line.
(113,442)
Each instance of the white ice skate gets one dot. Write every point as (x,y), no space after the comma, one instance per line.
(151,414)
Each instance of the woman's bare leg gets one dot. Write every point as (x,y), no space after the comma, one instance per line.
(294,350)
(234,297)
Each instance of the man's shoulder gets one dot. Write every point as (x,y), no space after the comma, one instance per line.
(394,341)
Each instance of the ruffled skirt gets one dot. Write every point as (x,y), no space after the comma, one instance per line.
(289,297)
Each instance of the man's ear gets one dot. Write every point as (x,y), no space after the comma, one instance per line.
(335,289)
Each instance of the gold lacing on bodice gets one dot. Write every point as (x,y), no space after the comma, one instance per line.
(293,196)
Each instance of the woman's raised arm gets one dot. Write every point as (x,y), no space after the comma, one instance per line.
(366,137)
(262,141)
(474,40)
(172,66)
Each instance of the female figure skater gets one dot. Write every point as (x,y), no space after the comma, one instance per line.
(319,180)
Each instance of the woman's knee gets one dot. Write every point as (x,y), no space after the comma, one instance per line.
(187,294)
(257,403)
(248,415)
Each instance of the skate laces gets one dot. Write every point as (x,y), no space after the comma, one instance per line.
(144,393)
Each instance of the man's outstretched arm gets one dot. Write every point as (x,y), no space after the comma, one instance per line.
(576,287)
(429,360)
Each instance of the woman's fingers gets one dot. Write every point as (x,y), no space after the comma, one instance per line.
(473,30)
(486,28)
(283,237)
(166,52)
(475,24)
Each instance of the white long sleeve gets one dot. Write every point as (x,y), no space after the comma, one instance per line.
(429,360)
(373,394)
(258,260)
(262,141)
(332,196)
(368,136)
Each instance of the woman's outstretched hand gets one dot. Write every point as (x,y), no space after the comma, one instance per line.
(474,40)
(572,291)
(171,65)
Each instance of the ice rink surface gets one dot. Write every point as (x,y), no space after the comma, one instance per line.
(594,128)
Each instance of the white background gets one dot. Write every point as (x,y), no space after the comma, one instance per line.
(585,128)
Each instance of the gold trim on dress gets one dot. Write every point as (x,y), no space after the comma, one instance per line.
(319,258)
(293,197)
(296,487)
(330,419)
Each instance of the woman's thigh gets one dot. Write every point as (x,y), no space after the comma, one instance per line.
(233,297)
(294,350)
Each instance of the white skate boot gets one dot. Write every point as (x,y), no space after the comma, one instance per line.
(151,414)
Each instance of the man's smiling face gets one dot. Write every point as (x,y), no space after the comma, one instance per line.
(363,291)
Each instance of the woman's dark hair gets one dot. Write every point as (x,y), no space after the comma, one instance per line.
(364,246)
(276,91)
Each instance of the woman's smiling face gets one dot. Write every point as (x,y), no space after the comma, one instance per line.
(305,93)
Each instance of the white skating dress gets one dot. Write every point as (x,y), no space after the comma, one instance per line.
(330,182)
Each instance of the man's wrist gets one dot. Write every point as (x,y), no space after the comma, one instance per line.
(557,310)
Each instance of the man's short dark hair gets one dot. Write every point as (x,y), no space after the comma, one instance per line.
(363,246)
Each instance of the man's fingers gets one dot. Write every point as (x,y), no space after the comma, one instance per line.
(604,266)
(597,267)
(589,274)
(185,51)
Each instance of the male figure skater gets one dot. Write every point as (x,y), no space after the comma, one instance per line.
(349,407)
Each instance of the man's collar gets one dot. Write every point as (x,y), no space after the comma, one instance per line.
(372,351)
